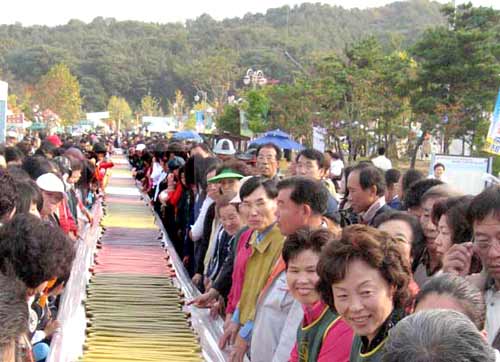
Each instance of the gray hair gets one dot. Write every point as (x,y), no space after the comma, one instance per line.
(439,192)
(465,294)
(437,336)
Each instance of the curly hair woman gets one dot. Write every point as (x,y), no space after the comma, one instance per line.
(364,277)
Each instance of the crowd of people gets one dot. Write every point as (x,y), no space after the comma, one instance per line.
(317,262)
(321,262)
(48,188)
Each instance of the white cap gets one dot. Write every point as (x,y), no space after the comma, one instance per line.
(140,147)
(50,182)
(236,199)
(12,134)
(224,147)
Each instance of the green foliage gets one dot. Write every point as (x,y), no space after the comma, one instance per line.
(229,120)
(130,58)
(459,72)
(257,110)
(150,106)
(190,123)
(59,91)
(119,111)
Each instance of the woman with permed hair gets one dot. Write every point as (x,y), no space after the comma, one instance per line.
(364,277)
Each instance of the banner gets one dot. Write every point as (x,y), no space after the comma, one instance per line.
(319,137)
(3,109)
(493,138)
(468,174)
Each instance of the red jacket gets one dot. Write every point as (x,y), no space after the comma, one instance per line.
(66,220)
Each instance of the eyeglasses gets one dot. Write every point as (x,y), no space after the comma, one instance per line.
(307,165)
(259,205)
(266,158)
(485,245)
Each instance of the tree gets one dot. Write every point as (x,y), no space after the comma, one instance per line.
(257,110)
(130,58)
(119,111)
(458,73)
(59,91)
(150,106)
(178,108)
(229,120)
(216,74)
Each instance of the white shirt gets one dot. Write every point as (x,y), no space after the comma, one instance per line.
(162,177)
(382,162)
(492,299)
(443,178)
(156,173)
(197,228)
(336,167)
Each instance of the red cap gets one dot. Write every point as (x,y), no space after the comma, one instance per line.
(55,140)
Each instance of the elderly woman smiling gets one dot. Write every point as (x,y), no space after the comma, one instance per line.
(365,277)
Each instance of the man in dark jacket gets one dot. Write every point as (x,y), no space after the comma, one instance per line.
(366,186)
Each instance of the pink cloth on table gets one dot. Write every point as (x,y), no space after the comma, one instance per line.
(337,344)
(243,252)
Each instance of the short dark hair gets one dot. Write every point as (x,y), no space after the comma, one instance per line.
(211,164)
(254,183)
(36,166)
(201,145)
(35,250)
(371,176)
(234,165)
(484,204)
(414,194)
(439,164)
(13,154)
(15,316)
(29,193)
(306,191)
(76,164)
(374,247)
(392,176)
(418,242)
(45,149)
(312,154)
(224,201)
(455,209)
(270,145)
(335,155)
(381,151)
(411,176)
(8,194)
(305,238)
(465,294)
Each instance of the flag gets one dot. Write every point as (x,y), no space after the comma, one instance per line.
(493,137)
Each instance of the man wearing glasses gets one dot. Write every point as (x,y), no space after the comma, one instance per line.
(268,157)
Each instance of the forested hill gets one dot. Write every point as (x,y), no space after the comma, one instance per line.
(130,59)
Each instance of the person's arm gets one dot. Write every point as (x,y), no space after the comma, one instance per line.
(197,229)
(223,281)
(175,196)
(336,346)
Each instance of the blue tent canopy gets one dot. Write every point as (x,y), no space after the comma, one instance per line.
(187,135)
(281,142)
(277,133)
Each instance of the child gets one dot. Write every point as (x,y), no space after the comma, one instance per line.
(322,336)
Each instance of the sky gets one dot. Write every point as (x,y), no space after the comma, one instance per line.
(57,12)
